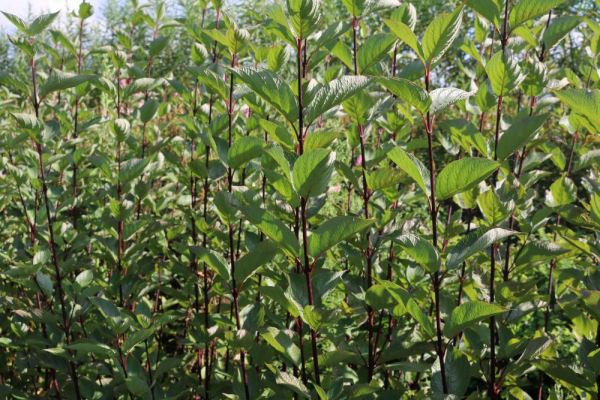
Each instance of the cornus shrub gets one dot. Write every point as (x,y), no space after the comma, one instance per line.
(303,199)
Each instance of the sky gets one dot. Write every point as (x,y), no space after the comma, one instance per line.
(20,8)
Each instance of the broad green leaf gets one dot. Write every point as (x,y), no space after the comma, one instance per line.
(318,318)
(293,383)
(458,373)
(373,50)
(420,250)
(413,167)
(244,150)
(536,79)
(519,134)
(236,39)
(536,252)
(440,34)
(137,386)
(214,260)
(39,24)
(312,172)
(305,16)
(475,242)
(494,209)
(10,79)
(558,371)
(526,10)
(563,191)
(488,9)
(246,266)
(462,175)
(467,134)
(469,314)
(121,210)
(135,338)
(210,79)
(504,73)
(271,88)
(407,91)
(405,300)
(382,178)
(577,216)
(85,278)
(158,45)
(442,98)
(21,25)
(107,308)
(582,101)
(558,29)
(60,81)
(282,341)
(333,94)
(406,34)
(141,85)
(334,231)
(273,228)
(148,110)
(278,57)
(131,169)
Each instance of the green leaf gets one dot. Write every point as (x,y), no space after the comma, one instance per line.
(134,339)
(558,29)
(475,242)
(38,25)
(121,210)
(148,110)
(582,101)
(526,10)
(137,386)
(237,39)
(244,150)
(334,231)
(382,178)
(282,342)
(405,300)
(141,85)
(10,79)
(292,383)
(85,278)
(420,250)
(25,45)
(108,309)
(440,34)
(133,168)
(442,98)
(86,10)
(157,46)
(272,89)
(278,57)
(318,318)
(488,9)
(18,22)
(563,191)
(209,78)
(33,126)
(519,134)
(494,210)
(273,228)
(305,16)
(562,373)
(413,167)
(60,81)
(536,252)
(504,73)
(333,94)
(462,175)
(373,50)
(458,373)
(406,35)
(312,172)
(407,91)
(214,260)
(469,314)
(247,266)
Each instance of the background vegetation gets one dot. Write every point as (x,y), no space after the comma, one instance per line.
(330,200)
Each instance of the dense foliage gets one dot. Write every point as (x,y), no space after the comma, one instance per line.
(337,200)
